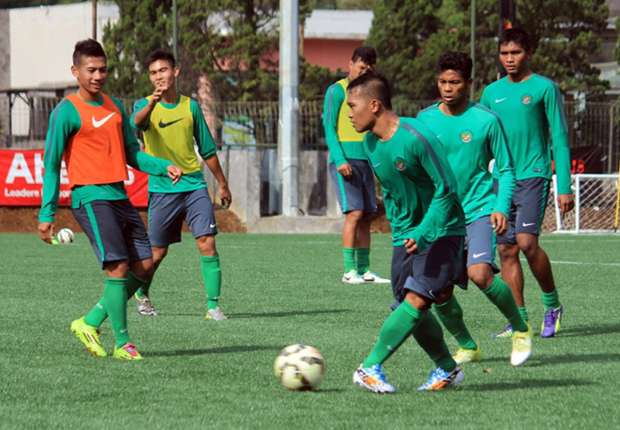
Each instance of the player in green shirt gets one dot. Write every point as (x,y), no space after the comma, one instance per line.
(472,136)
(171,123)
(428,228)
(91,131)
(351,173)
(531,109)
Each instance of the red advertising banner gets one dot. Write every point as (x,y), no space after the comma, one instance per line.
(21,178)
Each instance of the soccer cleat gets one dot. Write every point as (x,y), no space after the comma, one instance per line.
(145,306)
(215,314)
(439,379)
(467,355)
(551,323)
(372,277)
(521,346)
(373,379)
(352,277)
(89,336)
(506,332)
(127,352)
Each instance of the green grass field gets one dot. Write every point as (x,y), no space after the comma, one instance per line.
(280,290)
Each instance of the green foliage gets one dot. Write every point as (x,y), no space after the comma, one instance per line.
(410,36)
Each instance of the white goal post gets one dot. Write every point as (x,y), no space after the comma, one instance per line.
(596,198)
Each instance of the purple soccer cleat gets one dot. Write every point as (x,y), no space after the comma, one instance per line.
(551,324)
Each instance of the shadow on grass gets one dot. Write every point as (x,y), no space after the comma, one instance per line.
(288,313)
(551,359)
(218,350)
(592,330)
(527,384)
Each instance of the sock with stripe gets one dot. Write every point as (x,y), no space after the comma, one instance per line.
(451,315)
(429,336)
(500,295)
(551,300)
(523,313)
(212,277)
(115,300)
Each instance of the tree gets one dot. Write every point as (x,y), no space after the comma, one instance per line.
(566,34)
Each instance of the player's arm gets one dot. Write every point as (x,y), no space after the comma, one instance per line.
(141,113)
(506,175)
(445,195)
(554,110)
(207,150)
(141,160)
(64,122)
(334,97)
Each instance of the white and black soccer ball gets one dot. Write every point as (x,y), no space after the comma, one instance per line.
(299,367)
(65,236)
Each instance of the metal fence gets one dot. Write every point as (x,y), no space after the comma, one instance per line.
(593,127)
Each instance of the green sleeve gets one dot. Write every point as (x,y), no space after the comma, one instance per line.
(64,122)
(136,158)
(484,99)
(202,134)
(504,167)
(137,107)
(444,198)
(334,97)
(554,109)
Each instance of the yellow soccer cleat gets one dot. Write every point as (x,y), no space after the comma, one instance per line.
(521,346)
(467,355)
(89,336)
(127,352)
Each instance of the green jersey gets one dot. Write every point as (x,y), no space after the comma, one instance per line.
(419,188)
(64,122)
(341,138)
(170,133)
(471,140)
(532,112)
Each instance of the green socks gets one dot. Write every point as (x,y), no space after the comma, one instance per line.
(396,328)
(115,300)
(136,286)
(97,315)
(500,295)
(551,300)
(212,276)
(363,260)
(429,336)
(451,315)
(348,257)
(523,313)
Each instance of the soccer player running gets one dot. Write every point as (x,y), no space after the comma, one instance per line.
(351,173)
(428,229)
(531,109)
(91,130)
(472,136)
(171,123)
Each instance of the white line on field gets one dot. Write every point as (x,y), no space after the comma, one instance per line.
(580,263)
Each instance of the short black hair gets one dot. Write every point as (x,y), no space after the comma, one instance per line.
(160,54)
(374,85)
(458,61)
(518,36)
(365,53)
(87,48)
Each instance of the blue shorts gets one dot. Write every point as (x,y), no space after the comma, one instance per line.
(529,201)
(429,272)
(356,193)
(115,230)
(168,210)
(480,243)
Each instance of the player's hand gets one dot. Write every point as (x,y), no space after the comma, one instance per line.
(345,170)
(410,246)
(566,203)
(46,231)
(174,173)
(499,222)
(225,196)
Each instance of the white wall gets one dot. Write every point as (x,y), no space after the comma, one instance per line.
(42,40)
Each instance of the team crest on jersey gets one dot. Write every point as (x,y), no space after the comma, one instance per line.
(399,163)
(526,99)
(466,136)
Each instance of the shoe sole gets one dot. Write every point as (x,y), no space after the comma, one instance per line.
(357,381)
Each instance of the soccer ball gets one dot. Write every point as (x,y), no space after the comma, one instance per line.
(64,236)
(299,367)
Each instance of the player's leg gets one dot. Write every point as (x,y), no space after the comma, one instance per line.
(200,218)
(528,228)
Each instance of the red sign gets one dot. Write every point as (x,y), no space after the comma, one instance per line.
(21,178)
